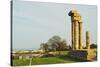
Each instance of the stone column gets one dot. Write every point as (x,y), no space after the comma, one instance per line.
(75,17)
(87,40)
(80,35)
(72,27)
(76,34)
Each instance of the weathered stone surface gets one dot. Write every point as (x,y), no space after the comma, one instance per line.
(77,51)
(83,54)
(76,35)
(72,35)
(73,13)
(76,29)
(80,35)
(87,40)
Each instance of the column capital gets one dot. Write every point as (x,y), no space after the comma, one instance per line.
(73,13)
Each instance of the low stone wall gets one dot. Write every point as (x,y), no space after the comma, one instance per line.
(83,54)
(25,55)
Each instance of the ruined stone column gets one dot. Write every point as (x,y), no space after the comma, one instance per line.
(72,30)
(75,28)
(76,34)
(72,27)
(80,35)
(87,40)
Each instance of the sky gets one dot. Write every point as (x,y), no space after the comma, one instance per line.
(35,22)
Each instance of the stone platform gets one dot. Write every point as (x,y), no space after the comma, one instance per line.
(84,54)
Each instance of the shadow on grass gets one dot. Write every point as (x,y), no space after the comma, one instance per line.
(65,57)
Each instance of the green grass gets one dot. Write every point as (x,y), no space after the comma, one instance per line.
(47,60)
(17,62)
(61,52)
(38,61)
(51,60)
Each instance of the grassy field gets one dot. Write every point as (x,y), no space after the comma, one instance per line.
(46,60)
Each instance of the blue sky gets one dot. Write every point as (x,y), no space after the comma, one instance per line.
(36,22)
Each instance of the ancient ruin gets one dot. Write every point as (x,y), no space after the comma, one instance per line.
(76,28)
(87,40)
(76,22)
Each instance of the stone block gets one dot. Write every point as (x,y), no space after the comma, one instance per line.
(83,54)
